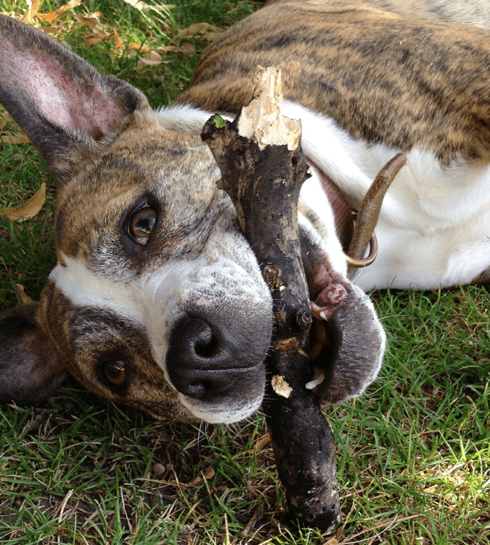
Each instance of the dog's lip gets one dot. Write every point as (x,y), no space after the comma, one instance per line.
(323,308)
(345,332)
(217,414)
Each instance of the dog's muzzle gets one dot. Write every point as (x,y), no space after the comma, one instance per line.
(212,363)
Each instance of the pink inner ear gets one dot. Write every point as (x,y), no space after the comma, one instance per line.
(64,102)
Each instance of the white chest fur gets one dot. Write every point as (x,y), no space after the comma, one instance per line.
(434,227)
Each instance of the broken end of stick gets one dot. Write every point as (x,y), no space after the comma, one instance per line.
(325,520)
(262,120)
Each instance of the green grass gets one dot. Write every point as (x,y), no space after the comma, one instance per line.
(413,453)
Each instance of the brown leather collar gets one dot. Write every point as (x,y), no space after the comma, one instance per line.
(356,229)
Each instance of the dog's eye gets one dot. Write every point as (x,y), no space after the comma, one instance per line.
(115,373)
(142,224)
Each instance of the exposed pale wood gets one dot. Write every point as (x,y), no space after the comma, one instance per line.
(262,120)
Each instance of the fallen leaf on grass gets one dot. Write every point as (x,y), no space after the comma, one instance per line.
(187,49)
(91,21)
(4,119)
(14,139)
(142,48)
(23,295)
(50,17)
(49,29)
(139,5)
(153,55)
(117,41)
(260,444)
(143,61)
(151,58)
(201,30)
(32,9)
(97,35)
(28,209)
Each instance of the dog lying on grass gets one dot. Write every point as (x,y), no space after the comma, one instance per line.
(157,300)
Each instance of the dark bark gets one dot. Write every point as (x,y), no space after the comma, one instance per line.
(264,185)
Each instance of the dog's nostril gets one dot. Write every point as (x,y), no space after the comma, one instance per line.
(208,348)
(197,341)
(212,362)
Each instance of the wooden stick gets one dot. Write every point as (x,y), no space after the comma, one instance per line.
(263,169)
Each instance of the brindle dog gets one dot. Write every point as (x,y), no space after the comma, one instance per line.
(157,300)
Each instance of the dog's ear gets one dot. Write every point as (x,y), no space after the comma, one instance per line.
(30,367)
(59,100)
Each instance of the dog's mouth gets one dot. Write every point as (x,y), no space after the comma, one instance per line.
(347,341)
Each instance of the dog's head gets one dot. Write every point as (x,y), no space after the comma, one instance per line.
(157,300)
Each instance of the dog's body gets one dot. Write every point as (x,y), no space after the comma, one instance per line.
(377,86)
(157,300)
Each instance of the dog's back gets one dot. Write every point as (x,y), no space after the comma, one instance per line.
(379,78)
(368,83)
(472,12)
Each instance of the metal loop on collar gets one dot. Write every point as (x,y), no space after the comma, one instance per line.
(373,251)
(373,254)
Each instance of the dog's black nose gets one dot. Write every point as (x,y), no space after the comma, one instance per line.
(205,362)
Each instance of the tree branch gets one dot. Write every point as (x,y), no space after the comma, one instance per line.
(263,169)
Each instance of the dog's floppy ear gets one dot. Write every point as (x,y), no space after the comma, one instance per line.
(59,100)
(30,367)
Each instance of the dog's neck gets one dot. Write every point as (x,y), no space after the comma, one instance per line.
(344,220)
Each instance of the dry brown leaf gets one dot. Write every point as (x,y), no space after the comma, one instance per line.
(99,31)
(117,41)
(32,9)
(210,36)
(260,444)
(97,35)
(202,30)
(149,62)
(174,48)
(14,139)
(50,17)
(28,209)
(49,29)
(91,21)
(186,48)
(138,4)
(89,40)
(23,295)
(142,48)
(152,58)
(153,55)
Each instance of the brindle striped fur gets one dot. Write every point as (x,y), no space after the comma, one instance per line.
(384,78)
